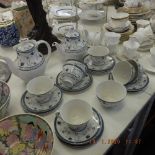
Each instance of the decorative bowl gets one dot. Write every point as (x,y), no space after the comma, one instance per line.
(111,93)
(4,98)
(25,134)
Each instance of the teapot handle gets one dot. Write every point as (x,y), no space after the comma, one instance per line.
(48,47)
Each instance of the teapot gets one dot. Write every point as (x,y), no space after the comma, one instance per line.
(72,47)
(29,63)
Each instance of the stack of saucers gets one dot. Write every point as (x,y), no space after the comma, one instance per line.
(98,59)
(74,77)
(120,23)
(130,74)
(78,124)
(136,13)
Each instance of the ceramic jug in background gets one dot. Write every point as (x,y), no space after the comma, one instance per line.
(29,63)
(9,34)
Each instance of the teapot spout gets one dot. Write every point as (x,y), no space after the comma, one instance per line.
(11,65)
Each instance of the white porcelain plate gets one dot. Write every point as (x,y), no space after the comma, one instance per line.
(64,11)
(91,15)
(63,28)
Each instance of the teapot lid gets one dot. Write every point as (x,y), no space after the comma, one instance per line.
(72,33)
(25,46)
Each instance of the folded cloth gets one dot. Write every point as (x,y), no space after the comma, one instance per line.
(23,20)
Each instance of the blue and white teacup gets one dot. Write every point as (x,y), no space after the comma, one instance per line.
(71,75)
(42,88)
(76,113)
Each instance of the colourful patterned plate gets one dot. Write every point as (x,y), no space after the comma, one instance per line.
(25,134)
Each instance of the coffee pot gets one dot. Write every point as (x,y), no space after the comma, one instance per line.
(29,63)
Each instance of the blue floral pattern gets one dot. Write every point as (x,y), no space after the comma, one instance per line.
(9,35)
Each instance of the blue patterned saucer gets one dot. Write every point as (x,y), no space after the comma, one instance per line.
(106,66)
(5,72)
(82,85)
(30,103)
(87,136)
(139,84)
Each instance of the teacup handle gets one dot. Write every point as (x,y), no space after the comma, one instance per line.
(110,77)
(57,114)
(48,47)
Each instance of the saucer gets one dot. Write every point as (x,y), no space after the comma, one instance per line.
(87,136)
(5,72)
(146,63)
(64,12)
(30,104)
(107,65)
(62,28)
(85,83)
(139,84)
(91,15)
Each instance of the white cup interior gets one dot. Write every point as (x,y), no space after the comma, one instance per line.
(122,72)
(40,85)
(76,112)
(111,91)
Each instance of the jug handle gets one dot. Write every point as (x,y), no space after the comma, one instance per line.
(48,48)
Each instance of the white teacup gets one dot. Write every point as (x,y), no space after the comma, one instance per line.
(76,113)
(152,51)
(98,53)
(123,72)
(110,93)
(119,20)
(41,87)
